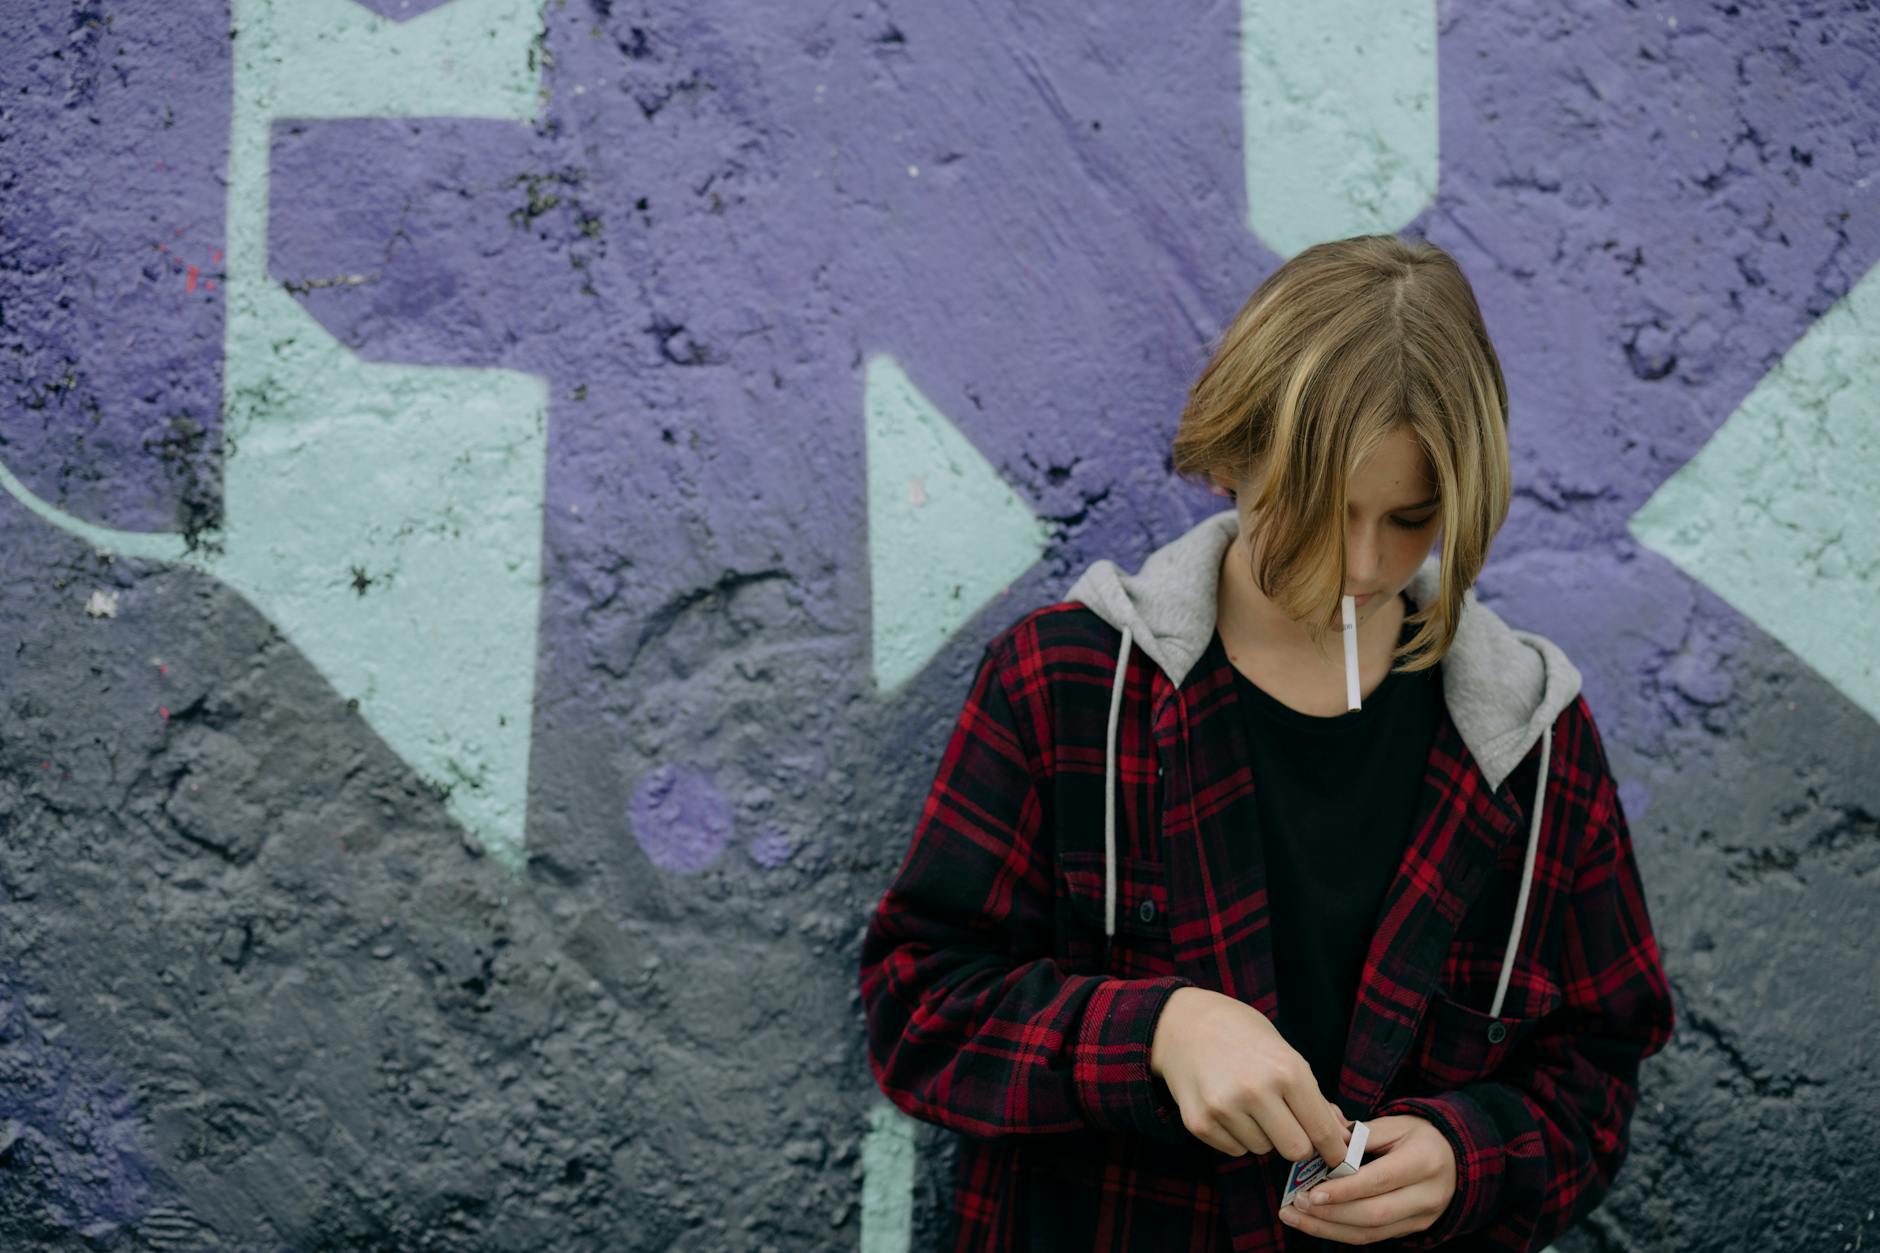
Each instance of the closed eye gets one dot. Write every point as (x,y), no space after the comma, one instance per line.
(1417,525)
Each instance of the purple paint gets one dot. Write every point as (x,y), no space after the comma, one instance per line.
(440,252)
(680,818)
(1638,286)
(69,1140)
(698,346)
(113,175)
(1635,798)
(772,847)
(401,10)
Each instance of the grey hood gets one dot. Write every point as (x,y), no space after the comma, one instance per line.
(1503,687)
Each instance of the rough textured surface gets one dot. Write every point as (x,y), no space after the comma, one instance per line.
(259,989)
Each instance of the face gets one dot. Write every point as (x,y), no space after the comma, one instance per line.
(1391,521)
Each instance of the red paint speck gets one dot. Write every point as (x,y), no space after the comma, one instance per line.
(209,285)
(217,256)
(162,669)
(191,284)
(45,765)
(164,710)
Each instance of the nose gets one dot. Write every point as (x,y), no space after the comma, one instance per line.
(1361,558)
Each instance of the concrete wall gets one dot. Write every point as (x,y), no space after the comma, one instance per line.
(502,499)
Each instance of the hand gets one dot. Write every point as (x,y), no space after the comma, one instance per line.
(1241,1087)
(1404,1188)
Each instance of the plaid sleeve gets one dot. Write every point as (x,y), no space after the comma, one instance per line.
(971,1023)
(1538,1147)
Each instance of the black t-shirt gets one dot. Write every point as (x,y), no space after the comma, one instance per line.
(1335,797)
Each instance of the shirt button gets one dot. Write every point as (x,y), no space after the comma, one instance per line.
(1146,912)
(1497,1033)
(1158,772)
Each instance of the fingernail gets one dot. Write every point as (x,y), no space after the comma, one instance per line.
(1319,1197)
(1288,1217)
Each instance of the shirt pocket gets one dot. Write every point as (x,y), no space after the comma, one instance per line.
(1459,1041)
(1141,947)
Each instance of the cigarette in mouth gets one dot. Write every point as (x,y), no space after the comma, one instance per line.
(1351,652)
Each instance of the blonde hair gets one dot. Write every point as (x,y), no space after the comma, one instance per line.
(1345,343)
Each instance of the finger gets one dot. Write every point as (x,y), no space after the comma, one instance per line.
(1377,1176)
(1215,1133)
(1205,1130)
(1240,1125)
(1322,1121)
(1276,1119)
(1381,1210)
(1216,1136)
(1345,1233)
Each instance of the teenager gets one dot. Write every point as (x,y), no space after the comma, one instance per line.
(1174,913)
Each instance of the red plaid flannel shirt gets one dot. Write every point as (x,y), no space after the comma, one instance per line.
(992,1009)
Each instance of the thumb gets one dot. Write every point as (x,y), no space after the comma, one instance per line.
(1387,1130)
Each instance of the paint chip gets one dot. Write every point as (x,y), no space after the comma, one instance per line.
(102,604)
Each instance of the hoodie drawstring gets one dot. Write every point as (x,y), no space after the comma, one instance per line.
(1109,792)
(1527,872)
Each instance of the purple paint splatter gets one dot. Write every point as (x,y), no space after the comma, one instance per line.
(680,818)
(772,847)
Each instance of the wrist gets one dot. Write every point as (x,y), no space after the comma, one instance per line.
(1158,1041)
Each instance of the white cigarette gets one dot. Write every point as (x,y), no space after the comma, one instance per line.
(1351,653)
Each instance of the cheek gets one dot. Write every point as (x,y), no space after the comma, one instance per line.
(1409,553)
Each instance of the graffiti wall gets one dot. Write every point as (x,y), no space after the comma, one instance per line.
(502,499)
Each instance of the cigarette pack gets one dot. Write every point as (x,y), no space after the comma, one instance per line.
(1310,1170)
